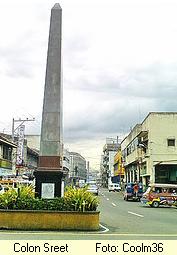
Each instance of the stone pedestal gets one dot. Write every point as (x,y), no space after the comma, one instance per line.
(48,184)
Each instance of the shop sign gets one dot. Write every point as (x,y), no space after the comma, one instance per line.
(20,146)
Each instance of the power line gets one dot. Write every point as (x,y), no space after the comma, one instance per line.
(21,123)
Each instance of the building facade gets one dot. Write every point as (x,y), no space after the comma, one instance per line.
(78,169)
(119,170)
(107,165)
(66,164)
(150,150)
(7,157)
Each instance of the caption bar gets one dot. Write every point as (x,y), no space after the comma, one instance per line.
(80,247)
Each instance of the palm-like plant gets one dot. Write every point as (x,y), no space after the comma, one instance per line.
(80,199)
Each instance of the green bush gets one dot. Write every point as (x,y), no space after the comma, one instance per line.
(8,199)
(73,200)
(80,199)
(25,198)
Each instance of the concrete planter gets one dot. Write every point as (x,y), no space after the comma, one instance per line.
(48,220)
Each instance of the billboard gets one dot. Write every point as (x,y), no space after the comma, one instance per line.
(20,146)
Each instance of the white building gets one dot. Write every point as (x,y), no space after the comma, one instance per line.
(78,169)
(107,166)
(150,149)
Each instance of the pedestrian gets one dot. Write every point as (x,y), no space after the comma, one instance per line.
(135,189)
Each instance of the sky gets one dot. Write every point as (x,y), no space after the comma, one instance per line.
(119,63)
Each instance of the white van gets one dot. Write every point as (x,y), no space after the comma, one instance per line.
(114,187)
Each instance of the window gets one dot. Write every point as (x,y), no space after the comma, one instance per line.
(66,159)
(171,142)
(7,152)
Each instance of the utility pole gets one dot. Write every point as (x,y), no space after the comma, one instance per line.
(21,123)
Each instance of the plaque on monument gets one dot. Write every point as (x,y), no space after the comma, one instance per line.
(48,190)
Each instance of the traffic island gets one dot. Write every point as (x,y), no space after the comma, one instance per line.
(48,220)
(77,210)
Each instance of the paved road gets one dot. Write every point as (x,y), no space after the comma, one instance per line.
(119,220)
(133,218)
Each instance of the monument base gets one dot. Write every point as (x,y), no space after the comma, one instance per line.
(48,183)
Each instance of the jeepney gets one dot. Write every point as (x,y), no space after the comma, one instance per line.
(160,194)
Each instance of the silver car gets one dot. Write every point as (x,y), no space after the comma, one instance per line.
(92,188)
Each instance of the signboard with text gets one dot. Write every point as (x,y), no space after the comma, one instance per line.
(20,146)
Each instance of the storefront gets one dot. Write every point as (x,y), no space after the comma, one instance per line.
(166,173)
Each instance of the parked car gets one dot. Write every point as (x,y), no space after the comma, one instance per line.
(114,187)
(160,194)
(133,191)
(93,188)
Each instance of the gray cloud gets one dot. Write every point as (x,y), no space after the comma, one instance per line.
(153,81)
(118,103)
(19,58)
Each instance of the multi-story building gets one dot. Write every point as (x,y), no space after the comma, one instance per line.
(78,169)
(103,172)
(7,156)
(119,170)
(30,160)
(31,163)
(66,164)
(109,150)
(150,149)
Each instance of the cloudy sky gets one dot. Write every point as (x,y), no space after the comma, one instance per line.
(119,63)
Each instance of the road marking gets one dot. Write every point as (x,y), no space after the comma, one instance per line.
(139,215)
(105,229)
(113,204)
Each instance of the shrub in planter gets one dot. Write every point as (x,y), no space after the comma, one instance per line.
(73,200)
(12,199)
(25,197)
(56,204)
(8,199)
(80,199)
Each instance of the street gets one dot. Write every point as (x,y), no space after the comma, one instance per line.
(131,217)
(119,220)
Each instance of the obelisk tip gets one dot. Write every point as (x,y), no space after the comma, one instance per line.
(57,6)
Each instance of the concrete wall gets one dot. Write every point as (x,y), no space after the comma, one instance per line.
(48,220)
(162,126)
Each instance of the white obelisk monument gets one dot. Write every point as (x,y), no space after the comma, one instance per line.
(49,172)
